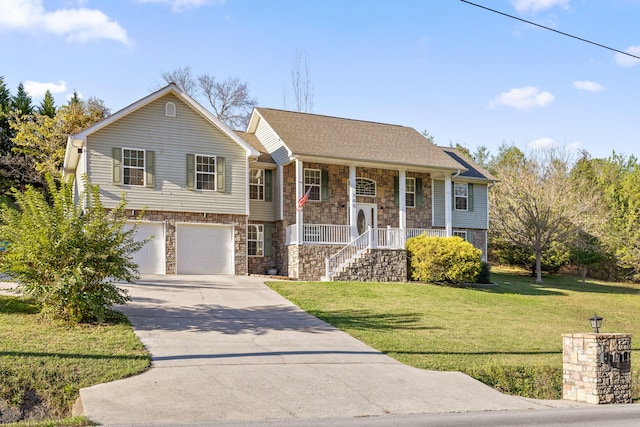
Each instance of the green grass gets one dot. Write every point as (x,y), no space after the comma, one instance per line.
(509,335)
(54,360)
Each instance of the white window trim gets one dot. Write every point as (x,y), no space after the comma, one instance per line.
(319,185)
(170,109)
(260,184)
(144,167)
(259,240)
(460,233)
(466,196)
(407,192)
(215,173)
(371,182)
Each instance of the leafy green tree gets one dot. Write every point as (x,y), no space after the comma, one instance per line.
(538,204)
(67,255)
(22,101)
(47,106)
(43,139)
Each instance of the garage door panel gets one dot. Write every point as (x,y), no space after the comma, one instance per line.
(151,257)
(204,249)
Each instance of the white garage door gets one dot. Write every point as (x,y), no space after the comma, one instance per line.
(204,249)
(150,258)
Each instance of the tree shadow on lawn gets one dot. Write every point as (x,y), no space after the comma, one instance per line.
(18,305)
(553,285)
(367,320)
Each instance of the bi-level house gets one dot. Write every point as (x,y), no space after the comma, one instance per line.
(309,196)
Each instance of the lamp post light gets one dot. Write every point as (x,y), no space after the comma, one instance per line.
(596,323)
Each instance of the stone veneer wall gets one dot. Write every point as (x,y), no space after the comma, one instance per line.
(171,218)
(307,262)
(596,368)
(377,265)
(335,210)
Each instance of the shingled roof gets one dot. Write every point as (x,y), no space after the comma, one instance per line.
(347,139)
(252,140)
(474,170)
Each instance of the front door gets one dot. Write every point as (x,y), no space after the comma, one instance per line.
(366,216)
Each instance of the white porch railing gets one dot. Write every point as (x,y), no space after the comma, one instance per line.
(327,234)
(344,255)
(431,232)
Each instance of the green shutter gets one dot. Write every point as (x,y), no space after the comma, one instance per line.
(116,158)
(470,236)
(150,168)
(470,197)
(268,240)
(191,171)
(418,192)
(396,191)
(268,186)
(220,174)
(324,185)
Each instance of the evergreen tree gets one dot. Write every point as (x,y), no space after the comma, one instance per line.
(47,106)
(22,101)
(5,107)
(75,99)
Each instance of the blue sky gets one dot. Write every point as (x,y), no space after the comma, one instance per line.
(464,74)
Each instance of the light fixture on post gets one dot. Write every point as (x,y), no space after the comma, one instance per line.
(596,323)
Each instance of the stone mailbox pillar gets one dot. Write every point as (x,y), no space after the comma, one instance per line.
(596,368)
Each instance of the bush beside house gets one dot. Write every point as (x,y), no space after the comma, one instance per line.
(437,259)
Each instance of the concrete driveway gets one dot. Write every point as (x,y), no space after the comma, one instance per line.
(227,348)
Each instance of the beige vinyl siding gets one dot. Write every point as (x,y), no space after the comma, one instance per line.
(271,142)
(261,211)
(461,219)
(171,139)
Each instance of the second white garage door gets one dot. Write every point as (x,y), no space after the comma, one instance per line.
(204,249)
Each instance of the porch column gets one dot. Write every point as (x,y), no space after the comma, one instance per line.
(299,194)
(353,212)
(448,221)
(402,199)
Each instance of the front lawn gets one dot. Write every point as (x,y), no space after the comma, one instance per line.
(509,335)
(43,366)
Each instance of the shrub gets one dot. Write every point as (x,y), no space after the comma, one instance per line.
(68,256)
(485,273)
(438,259)
(538,382)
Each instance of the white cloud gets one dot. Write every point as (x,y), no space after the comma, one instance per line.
(78,24)
(541,144)
(587,85)
(533,6)
(38,89)
(180,5)
(523,98)
(626,60)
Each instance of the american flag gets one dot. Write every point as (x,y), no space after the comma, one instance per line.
(303,199)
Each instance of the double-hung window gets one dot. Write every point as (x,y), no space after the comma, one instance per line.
(312,183)
(255,239)
(205,172)
(133,166)
(461,196)
(256,184)
(410,192)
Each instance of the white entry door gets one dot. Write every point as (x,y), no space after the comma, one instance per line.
(366,216)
